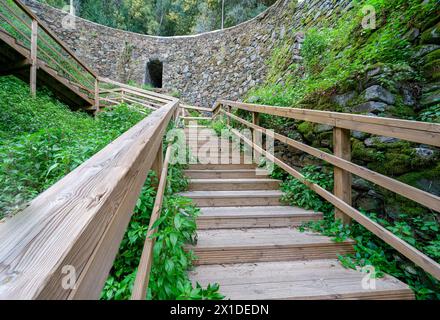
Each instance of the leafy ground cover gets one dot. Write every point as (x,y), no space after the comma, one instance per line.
(421,232)
(41,140)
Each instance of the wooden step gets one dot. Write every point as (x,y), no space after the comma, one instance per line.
(297,280)
(220,166)
(235,198)
(265,245)
(221,161)
(254,217)
(233,184)
(196,127)
(227,174)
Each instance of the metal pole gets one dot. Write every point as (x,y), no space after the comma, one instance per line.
(223,14)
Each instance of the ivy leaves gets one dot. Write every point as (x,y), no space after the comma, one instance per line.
(175,229)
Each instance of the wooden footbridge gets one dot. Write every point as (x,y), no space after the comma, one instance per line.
(248,239)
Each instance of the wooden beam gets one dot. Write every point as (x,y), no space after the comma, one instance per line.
(185,106)
(140,287)
(197,118)
(97,95)
(154,95)
(34,62)
(343,179)
(414,131)
(416,256)
(256,135)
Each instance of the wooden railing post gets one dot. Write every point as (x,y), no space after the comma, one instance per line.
(34,58)
(97,95)
(343,179)
(228,119)
(257,136)
(158,162)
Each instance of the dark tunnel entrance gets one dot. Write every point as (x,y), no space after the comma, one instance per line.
(154,73)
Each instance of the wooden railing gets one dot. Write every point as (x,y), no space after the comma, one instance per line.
(140,287)
(17,20)
(203,114)
(114,93)
(413,131)
(62,246)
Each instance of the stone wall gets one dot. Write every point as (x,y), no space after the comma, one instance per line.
(201,68)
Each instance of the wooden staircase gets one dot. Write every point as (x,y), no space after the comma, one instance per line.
(12,53)
(248,240)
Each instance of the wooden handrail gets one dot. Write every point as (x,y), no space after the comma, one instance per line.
(414,131)
(185,106)
(140,287)
(347,121)
(422,197)
(164,98)
(62,246)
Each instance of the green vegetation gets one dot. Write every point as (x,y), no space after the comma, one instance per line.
(337,56)
(176,228)
(49,50)
(42,140)
(165,17)
(419,231)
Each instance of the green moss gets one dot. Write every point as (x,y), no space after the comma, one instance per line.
(431,35)
(394,164)
(427,180)
(435,55)
(432,70)
(362,153)
(306,129)
(414,178)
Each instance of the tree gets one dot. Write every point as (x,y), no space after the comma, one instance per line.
(166,17)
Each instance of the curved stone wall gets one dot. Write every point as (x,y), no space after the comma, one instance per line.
(201,68)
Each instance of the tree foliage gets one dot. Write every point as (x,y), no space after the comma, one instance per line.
(165,17)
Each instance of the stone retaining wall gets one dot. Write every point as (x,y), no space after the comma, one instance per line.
(200,68)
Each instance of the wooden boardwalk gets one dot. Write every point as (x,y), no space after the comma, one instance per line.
(248,241)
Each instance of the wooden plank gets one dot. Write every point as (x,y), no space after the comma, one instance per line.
(185,106)
(414,131)
(424,198)
(67,224)
(226,174)
(256,135)
(151,94)
(235,198)
(261,245)
(97,95)
(196,118)
(254,217)
(34,48)
(233,184)
(416,256)
(315,279)
(140,287)
(343,179)
(142,97)
(125,98)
